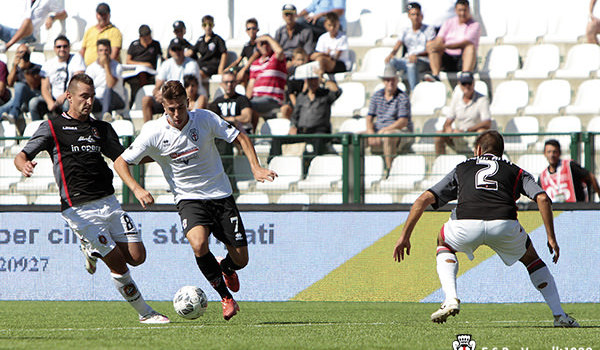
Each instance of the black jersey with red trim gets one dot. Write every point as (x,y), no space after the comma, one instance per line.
(487,188)
(76,148)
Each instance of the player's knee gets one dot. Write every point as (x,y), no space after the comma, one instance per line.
(137,260)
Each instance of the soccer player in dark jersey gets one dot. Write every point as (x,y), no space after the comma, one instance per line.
(487,187)
(76,143)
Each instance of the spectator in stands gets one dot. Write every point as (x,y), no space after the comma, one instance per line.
(415,39)
(314,15)
(4,91)
(175,68)
(235,108)
(389,113)
(294,86)
(267,77)
(469,112)
(195,99)
(25,78)
(293,34)
(564,180)
(145,52)
(249,53)
(104,29)
(312,115)
(593,27)
(332,50)
(455,47)
(212,50)
(56,74)
(37,13)
(179,31)
(107,75)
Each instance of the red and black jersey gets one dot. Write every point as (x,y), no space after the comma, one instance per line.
(76,148)
(486,187)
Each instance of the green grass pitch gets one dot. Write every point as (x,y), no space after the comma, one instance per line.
(292,325)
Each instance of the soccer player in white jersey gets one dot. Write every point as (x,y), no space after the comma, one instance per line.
(487,187)
(182,143)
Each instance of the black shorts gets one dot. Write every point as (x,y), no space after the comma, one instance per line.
(339,67)
(451,63)
(220,215)
(157,107)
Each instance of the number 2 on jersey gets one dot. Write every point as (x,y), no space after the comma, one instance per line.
(482,181)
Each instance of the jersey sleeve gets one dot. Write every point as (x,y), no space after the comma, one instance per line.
(40,140)
(530,187)
(112,147)
(221,128)
(142,145)
(446,190)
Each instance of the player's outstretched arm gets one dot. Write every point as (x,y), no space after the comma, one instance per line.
(143,196)
(417,209)
(260,174)
(24,165)
(545,207)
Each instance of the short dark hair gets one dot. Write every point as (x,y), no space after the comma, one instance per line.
(103,8)
(413,5)
(252,20)
(332,17)
(62,38)
(552,142)
(299,51)
(103,42)
(208,18)
(462,2)
(80,78)
(188,79)
(173,90)
(491,141)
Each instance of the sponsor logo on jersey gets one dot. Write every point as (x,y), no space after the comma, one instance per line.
(185,156)
(239,236)
(86,138)
(193,134)
(184,223)
(69,127)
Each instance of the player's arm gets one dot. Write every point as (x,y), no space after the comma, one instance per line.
(143,196)
(260,174)
(24,165)
(417,209)
(594,182)
(545,207)
(24,30)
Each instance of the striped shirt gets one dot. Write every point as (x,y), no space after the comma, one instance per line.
(387,112)
(270,76)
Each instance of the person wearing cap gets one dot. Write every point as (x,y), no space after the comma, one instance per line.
(314,15)
(469,112)
(179,31)
(389,113)
(36,13)
(293,34)
(103,29)
(146,52)
(211,50)
(415,39)
(249,53)
(454,49)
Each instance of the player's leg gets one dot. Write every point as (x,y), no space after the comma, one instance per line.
(447,269)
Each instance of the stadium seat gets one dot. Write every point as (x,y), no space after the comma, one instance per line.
(372,64)
(533,163)
(330,198)
(154,179)
(353,125)
(7,130)
(294,198)
(587,100)
(38,58)
(242,173)
(594,126)
(509,97)
(47,36)
(562,124)
(253,198)
(146,90)
(567,29)
(275,126)
(550,97)
(41,179)
(523,124)
(75,28)
(9,174)
(123,127)
(47,199)
(523,27)
(371,30)
(427,98)
(492,14)
(32,127)
(13,199)
(540,61)
(582,59)
(501,60)
(396,21)
(373,170)
(431,126)
(405,173)
(289,171)
(350,101)
(410,198)
(379,198)
(164,199)
(442,165)
(323,172)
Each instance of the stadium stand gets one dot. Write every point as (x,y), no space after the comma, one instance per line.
(550,97)
(501,60)
(540,61)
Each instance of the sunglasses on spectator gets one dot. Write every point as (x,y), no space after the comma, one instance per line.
(252,28)
(61,46)
(229,82)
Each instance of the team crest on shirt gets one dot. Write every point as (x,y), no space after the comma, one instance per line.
(102,239)
(184,223)
(130,290)
(95,133)
(193,134)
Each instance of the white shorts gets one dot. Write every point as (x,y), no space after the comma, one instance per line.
(506,237)
(101,223)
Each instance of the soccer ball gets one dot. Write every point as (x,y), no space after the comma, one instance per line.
(190,302)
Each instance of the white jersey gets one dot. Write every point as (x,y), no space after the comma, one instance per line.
(188,158)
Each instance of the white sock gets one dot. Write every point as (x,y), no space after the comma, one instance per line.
(126,286)
(447,272)
(544,282)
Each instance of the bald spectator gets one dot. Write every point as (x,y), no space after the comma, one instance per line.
(293,34)
(103,29)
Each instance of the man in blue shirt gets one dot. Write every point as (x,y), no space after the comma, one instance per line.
(314,15)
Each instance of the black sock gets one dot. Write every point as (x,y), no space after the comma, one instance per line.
(212,271)
(228,266)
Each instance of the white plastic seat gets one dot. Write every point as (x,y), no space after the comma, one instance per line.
(37,57)
(431,126)
(75,28)
(442,165)
(567,29)
(539,62)
(525,124)
(405,173)
(253,198)
(41,179)
(353,125)
(294,198)
(331,198)
(533,163)
(275,126)
(523,27)
(32,127)
(242,173)
(562,124)
(13,199)
(164,199)
(9,174)
(427,98)
(582,59)
(145,90)
(371,30)
(373,170)
(587,100)
(509,97)
(47,199)
(154,179)
(410,197)
(123,127)
(550,96)
(323,172)
(372,64)
(289,171)
(500,61)
(379,198)
(351,100)
(9,130)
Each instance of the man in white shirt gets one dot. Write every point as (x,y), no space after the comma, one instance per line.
(175,68)
(56,74)
(108,80)
(182,143)
(36,13)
